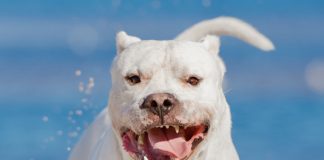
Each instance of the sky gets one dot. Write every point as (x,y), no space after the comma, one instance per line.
(276,98)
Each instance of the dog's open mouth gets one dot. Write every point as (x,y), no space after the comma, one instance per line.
(174,142)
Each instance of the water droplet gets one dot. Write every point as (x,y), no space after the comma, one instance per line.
(81,87)
(79,112)
(45,119)
(206,3)
(59,132)
(51,139)
(73,134)
(84,100)
(90,85)
(315,76)
(78,73)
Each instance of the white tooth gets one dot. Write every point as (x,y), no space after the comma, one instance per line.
(140,140)
(167,126)
(145,158)
(176,129)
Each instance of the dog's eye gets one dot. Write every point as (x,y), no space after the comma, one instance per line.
(133,79)
(193,81)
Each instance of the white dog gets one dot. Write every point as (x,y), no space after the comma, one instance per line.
(166,100)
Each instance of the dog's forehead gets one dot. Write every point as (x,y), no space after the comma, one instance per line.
(193,58)
(152,55)
(142,55)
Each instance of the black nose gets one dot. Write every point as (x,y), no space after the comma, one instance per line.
(160,104)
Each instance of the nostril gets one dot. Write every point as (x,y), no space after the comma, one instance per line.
(154,104)
(167,103)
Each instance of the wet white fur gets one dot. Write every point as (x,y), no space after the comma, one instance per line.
(163,67)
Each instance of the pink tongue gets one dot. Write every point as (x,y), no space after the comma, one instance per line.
(168,142)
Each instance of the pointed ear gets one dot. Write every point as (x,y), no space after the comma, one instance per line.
(123,41)
(211,43)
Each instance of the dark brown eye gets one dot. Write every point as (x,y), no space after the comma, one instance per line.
(193,81)
(134,79)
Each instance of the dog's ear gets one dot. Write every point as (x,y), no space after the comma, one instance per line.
(123,41)
(211,43)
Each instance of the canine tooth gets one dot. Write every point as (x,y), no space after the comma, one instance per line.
(140,140)
(145,158)
(167,126)
(176,129)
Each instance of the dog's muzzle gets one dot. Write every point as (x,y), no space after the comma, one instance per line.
(166,138)
(160,104)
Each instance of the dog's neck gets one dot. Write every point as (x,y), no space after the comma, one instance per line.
(219,144)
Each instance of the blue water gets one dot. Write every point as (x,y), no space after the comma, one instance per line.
(276,115)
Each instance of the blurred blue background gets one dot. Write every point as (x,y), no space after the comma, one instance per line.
(52,52)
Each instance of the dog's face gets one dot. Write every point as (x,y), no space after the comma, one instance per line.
(166,96)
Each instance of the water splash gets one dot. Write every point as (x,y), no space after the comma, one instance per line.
(77,118)
(90,85)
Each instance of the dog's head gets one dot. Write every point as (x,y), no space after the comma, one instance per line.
(166,96)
